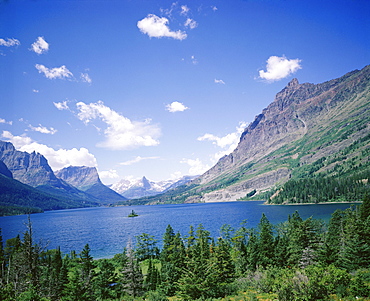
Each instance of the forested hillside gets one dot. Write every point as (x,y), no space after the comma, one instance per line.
(296,260)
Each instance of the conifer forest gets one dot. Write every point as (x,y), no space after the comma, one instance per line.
(295,260)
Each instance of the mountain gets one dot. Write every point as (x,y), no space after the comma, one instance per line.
(87,179)
(5,171)
(308,131)
(133,189)
(34,170)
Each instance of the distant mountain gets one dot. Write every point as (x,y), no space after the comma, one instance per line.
(19,198)
(87,179)
(309,131)
(133,189)
(34,170)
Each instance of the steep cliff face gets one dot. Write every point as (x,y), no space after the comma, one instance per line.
(304,123)
(31,169)
(87,179)
(81,177)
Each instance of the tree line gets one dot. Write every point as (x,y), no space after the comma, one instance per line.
(295,260)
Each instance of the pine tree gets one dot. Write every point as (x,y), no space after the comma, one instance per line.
(87,266)
(172,259)
(146,247)
(132,276)
(265,242)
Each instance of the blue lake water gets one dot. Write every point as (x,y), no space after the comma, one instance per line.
(107,230)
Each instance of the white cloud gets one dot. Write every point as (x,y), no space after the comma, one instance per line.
(121,133)
(214,8)
(35,91)
(176,107)
(191,23)
(228,142)
(279,67)
(156,27)
(108,174)
(40,46)
(57,159)
(5,122)
(61,72)
(219,81)
(61,105)
(137,160)
(196,166)
(184,10)
(9,42)
(43,129)
(86,78)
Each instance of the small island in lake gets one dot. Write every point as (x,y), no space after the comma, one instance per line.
(133,214)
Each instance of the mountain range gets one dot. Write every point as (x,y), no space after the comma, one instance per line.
(308,131)
(312,143)
(133,189)
(28,184)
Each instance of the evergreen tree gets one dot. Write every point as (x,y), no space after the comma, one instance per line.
(132,276)
(87,266)
(152,279)
(265,243)
(172,261)
(252,250)
(146,247)
(103,279)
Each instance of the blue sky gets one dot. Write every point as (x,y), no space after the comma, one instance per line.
(161,89)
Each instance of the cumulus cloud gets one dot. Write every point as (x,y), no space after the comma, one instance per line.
(197,167)
(9,42)
(57,159)
(156,27)
(86,78)
(108,174)
(61,105)
(228,142)
(121,133)
(40,46)
(176,107)
(43,129)
(219,81)
(5,122)
(61,72)
(137,160)
(278,68)
(190,23)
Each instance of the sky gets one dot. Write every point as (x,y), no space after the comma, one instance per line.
(161,89)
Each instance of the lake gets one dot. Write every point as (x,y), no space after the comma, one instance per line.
(108,229)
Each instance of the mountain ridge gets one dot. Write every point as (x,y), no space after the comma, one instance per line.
(87,179)
(304,123)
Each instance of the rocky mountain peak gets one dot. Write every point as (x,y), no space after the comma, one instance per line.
(293,83)
(32,169)
(299,112)
(79,176)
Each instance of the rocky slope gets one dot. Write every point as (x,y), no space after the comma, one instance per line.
(33,169)
(87,179)
(305,123)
